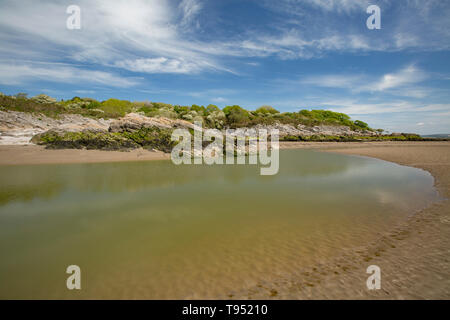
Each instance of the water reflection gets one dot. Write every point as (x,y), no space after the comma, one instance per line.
(155,230)
(24,183)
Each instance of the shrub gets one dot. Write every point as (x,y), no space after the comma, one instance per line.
(30,105)
(266,110)
(360,124)
(199,109)
(211,108)
(216,119)
(115,108)
(236,116)
(21,95)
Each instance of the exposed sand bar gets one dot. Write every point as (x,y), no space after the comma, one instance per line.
(414,257)
(419,265)
(32,154)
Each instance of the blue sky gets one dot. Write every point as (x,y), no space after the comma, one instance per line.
(290,54)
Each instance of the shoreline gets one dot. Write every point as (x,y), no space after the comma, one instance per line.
(37,155)
(31,154)
(415,253)
(414,256)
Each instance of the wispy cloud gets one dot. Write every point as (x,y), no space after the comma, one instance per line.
(219,99)
(334,81)
(338,5)
(137,35)
(154,36)
(364,83)
(17,74)
(160,65)
(190,9)
(355,107)
(406,76)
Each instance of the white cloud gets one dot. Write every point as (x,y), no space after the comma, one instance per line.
(190,9)
(408,75)
(16,74)
(354,107)
(157,36)
(334,81)
(137,35)
(339,25)
(339,5)
(160,65)
(219,99)
(363,83)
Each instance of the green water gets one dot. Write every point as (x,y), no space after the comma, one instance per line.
(156,230)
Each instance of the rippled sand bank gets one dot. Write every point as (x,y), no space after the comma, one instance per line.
(414,256)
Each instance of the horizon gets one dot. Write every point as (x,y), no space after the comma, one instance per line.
(292,55)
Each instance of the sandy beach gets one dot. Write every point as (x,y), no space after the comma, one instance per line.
(414,256)
(33,154)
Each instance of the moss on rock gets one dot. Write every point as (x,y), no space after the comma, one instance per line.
(149,138)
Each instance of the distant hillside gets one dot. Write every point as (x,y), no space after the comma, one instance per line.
(440,135)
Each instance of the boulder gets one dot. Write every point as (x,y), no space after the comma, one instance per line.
(135,121)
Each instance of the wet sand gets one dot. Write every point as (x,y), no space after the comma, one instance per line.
(33,154)
(414,256)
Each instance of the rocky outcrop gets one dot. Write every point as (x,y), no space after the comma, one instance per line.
(140,130)
(19,127)
(305,131)
(136,121)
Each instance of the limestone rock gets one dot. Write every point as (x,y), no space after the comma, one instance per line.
(135,121)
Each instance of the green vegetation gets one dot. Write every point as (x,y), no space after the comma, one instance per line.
(147,138)
(328,138)
(86,139)
(266,110)
(231,116)
(151,138)
(236,116)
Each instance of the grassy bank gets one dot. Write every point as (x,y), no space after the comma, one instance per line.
(328,138)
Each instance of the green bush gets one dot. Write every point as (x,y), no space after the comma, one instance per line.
(32,106)
(360,124)
(212,108)
(201,110)
(116,108)
(236,116)
(266,110)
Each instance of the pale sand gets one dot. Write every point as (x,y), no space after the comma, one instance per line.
(32,154)
(414,257)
